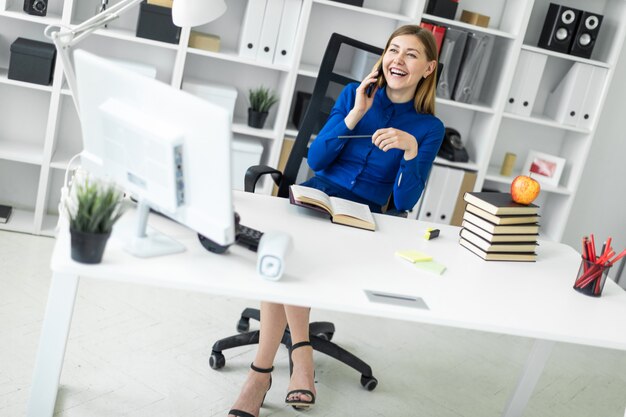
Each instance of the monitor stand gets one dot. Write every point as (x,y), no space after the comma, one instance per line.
(142,240)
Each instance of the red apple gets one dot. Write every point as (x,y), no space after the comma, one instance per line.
(524,189)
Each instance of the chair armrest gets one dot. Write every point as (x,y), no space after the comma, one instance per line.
(255,172)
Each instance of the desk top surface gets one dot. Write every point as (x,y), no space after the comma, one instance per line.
(331,265)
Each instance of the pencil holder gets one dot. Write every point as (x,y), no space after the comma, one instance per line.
(591,278)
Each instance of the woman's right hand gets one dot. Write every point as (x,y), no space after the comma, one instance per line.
(362,103)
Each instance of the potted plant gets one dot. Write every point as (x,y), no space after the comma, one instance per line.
(93,209)
(261,100)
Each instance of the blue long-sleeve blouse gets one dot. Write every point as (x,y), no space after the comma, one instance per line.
(359,166)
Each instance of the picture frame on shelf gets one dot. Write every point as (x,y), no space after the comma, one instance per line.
(543,167)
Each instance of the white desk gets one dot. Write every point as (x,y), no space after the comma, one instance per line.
(330,268)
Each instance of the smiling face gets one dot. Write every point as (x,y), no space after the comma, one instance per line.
(404,64)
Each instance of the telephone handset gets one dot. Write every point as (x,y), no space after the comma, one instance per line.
(380,82)
(452,147)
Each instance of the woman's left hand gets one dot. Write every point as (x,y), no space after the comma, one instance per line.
(391,138)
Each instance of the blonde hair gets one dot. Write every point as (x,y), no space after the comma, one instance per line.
(424,100)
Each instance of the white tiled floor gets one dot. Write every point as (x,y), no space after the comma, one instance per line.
(143,352)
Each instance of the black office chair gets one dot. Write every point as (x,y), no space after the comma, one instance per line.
(328,82)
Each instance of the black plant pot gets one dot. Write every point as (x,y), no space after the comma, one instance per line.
(256,118)
(88,248)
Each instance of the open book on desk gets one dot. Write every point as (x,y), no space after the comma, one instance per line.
(341,211)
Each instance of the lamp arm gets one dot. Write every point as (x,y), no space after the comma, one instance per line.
(64,38)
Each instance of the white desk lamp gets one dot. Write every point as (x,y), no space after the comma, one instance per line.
(184,13)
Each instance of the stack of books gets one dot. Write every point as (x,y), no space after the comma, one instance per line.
(498,229)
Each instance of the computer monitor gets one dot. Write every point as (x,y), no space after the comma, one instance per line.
(167,148)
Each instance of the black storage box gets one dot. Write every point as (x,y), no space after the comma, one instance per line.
(155,22)
(442,8)
(302,104)
(358,3)
(32,61)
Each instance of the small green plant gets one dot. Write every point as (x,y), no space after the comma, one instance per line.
(262,99)
(95,207)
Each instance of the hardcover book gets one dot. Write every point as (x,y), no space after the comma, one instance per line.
(499,238)
(511,229)
(499,203)
(503,218)
(341,211)
(497,247)
(498,256)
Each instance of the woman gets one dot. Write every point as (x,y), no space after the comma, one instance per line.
(398,115)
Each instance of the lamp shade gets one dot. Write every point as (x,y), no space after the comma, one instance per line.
(196,12)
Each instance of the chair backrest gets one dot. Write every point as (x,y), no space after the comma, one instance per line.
(329,78)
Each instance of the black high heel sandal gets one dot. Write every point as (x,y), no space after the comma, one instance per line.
(299,404)
(240,413)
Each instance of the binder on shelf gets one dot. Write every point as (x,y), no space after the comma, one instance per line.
(451,56)
(442,194)
(439,32)
(269,31)
(251,28)
(430,198)
(289,21)
(564,104)
(474,67)
(588,111)
(525,85)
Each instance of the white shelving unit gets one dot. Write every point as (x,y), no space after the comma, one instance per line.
(40,132)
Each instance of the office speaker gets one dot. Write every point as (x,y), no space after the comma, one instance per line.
(586,35)
(36,7)
(559,28)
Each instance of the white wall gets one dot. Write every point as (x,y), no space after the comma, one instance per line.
(600,203)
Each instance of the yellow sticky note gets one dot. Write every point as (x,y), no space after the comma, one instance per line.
(414,256)
(431,266)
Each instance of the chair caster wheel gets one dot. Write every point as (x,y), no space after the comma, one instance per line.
(217,360)
(243,325)
(369,382)
(328,336)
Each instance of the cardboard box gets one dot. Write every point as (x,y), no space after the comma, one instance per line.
(222,95)
(204,41)
(475,18)
(32,61)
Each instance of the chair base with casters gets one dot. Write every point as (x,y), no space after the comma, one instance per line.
(320,334)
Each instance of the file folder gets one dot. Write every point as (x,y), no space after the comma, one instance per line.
(525,85)
(473,68)
(269,31)
(251,28)
(589,109)
(451,56)
(564,104)
(287,33)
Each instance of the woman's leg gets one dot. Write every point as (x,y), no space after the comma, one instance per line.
(302,358)
(273,323)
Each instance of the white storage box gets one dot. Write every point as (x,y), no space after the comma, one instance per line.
(222,95)
(246,152)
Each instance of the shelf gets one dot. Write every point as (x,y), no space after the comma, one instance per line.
(48,228)
(49,19)
(241,126)
(545,121)
(365,10)
(467,26)
(127,35)
(21,152)
(469,166)
(61,158)
(564,56)
(474,107)
(493,175)
(308,70)
(232,56)
(20,221)
(4,79)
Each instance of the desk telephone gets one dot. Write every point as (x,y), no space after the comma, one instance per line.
(452,147)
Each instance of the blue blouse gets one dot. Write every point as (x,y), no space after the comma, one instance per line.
(361,167)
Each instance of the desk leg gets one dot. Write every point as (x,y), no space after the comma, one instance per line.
(51,350)
(533,368)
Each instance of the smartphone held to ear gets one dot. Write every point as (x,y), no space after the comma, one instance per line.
(379,82)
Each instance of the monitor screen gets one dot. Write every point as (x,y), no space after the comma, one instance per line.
(167,148)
